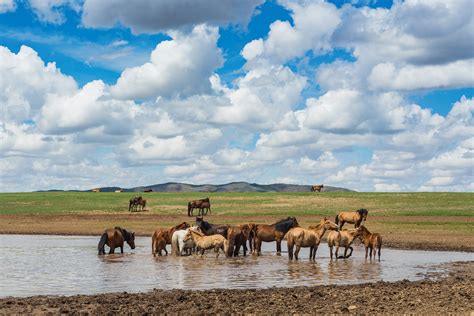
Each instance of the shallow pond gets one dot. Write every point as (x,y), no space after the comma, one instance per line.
(68,265)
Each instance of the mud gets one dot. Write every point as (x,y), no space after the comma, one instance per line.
(450,294)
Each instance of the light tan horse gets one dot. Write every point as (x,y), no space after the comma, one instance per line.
(355,218)
(311,237)
(162,237)
(370,241)
(342,239)
(204,242)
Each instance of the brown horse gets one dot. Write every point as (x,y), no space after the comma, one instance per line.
(355,218)
(342,239)
(162,237)
(311,237)
(136,203)
(202,204)
(274,232)
(238,237)
(318,188)
(370,241)
(115,237)
(204,242)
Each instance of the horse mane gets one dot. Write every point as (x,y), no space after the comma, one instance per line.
(283,225)
(183,223)
(362,211)
(205,225)
(363,228)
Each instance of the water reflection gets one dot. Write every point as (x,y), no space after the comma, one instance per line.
(64,265)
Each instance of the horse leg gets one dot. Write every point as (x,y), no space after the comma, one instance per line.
(330,251)
(337,251)
(340,225)
(112,250)
(366,251)
(345,251)
(278,247)
(378,254)
(297,252)
(315,248)
(216,250)
(121,248)
(290,251)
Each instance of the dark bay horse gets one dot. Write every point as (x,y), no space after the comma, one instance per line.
(135,203)
(238,237)
(202,204)
(351,217)
(162,237)
(115,237)
(274,232)
(318,188)
(211,229)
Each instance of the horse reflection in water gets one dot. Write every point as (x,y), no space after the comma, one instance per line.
(114,238)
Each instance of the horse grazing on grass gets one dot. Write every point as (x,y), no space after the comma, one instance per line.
(238,236)
(202,204)
(311,237)
(179,247)
(162,237)
(342,239)
(274,232)
(204,242)
(211,229)
(317,188)
(115,237)
(370,241)
(355,218)
(136,203)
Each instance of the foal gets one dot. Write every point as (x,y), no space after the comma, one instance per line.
(342,239)
(204,242)
(371,241)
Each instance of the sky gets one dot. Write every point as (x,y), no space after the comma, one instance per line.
(369,95)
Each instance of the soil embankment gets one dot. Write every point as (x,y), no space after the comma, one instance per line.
(451,294)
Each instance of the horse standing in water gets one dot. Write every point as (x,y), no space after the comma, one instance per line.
(179,247)
(211,229)
(204,242)
(342,239)
(311,237)
(370,241)
(115,237)
(355,218)
(274,232)
(161,238)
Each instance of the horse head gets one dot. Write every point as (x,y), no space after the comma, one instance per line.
(363,213)
(129,238)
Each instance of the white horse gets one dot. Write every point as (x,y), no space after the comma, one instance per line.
(179,247)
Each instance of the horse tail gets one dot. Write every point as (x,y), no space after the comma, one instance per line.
(103,240)
(174,245)
(337,219)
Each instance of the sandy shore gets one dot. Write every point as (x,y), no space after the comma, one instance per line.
(453,293)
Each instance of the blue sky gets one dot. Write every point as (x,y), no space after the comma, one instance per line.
(357,94)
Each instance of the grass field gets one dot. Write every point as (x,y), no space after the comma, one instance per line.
(442,219)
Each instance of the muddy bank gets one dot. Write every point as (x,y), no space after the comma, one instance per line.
(449,294)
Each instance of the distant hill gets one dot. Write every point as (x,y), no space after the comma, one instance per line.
(229,187)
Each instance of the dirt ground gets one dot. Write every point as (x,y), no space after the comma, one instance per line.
(408,235)
(452,294)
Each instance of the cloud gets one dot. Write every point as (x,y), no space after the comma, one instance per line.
(149,16)
(313,25)
(51,11)
(7,6)
(177,67)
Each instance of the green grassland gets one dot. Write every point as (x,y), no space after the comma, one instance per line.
(244,204)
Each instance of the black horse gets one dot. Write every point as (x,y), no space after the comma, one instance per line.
(211,229)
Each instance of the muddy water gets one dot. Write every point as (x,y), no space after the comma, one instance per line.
(65,265)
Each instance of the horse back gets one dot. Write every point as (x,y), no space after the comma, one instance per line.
(114,237)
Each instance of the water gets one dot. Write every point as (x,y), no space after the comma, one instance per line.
(65,265)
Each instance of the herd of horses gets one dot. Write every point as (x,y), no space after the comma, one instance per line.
(229,239)
(137,204)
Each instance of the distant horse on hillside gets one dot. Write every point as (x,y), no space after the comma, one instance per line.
(137,203)
(202,204)
(318,188)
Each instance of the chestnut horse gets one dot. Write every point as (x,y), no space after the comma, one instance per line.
(352,217)
(370,241)
(318,188)
(274,232)
(238,237)
(342,239)
(311,237)
(115,237)
(162,237)
(202,204)
(204,242)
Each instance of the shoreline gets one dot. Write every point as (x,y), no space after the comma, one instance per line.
(451,293)
(394,244)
